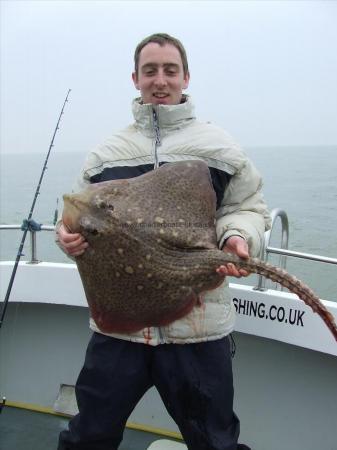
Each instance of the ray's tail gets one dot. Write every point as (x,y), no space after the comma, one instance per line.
(280,276)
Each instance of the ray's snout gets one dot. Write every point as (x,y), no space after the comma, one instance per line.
(74,205)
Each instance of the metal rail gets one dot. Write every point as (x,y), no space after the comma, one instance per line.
(33,241)
(283,251)
(264,254)
(302,255)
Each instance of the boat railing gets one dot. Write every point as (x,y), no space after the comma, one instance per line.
(33,259)
(283,251)
(266,250)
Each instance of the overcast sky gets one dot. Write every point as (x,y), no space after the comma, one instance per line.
(266,71)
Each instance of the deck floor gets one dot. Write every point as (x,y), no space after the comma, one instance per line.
(27,430)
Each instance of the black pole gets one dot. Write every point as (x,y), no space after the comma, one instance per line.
(27,223)
(2,404)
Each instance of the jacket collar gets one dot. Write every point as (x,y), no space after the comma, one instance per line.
(169,117)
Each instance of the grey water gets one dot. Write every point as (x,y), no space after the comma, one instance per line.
(300,180)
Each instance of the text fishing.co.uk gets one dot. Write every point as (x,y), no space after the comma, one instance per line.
(251,308)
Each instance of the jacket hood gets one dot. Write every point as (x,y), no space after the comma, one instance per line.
(169,117)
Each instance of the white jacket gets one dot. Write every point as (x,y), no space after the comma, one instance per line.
(171,133)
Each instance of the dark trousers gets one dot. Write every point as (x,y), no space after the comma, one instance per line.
(194,381)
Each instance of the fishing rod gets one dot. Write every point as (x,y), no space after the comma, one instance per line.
(29,224)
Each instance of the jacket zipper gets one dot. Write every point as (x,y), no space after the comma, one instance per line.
(157,141)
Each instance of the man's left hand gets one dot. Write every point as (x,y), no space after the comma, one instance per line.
(238,246)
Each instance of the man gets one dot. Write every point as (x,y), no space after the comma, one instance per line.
(189,360)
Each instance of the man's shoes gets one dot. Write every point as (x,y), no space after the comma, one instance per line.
(243,447)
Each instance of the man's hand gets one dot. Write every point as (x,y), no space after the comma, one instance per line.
(238,246)
(73,244)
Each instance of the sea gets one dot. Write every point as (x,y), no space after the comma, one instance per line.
(302,181)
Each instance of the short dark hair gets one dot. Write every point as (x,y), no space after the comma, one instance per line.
(162,39)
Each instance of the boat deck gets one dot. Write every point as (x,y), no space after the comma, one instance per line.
(22,429)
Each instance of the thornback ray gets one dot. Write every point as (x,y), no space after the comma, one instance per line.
(153,248)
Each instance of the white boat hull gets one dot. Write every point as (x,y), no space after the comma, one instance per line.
(285,366)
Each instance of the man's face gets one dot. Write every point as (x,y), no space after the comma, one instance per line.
(160,76)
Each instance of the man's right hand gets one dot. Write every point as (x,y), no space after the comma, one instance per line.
(73,244)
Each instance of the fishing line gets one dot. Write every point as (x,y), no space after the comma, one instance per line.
(29,224)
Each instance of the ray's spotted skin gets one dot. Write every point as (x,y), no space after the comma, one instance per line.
(153,248)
